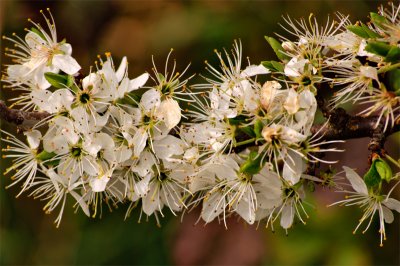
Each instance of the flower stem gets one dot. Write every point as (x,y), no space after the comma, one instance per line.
(237,144)
(388,68)
(392,160)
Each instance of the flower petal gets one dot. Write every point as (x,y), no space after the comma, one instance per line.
(392,204)
(356,181)
(66,63)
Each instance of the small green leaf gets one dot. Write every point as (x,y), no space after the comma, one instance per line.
(378,20)
(238,120)
(393,55)
(59,81)
(38,32)
(252,165)
(258,127)
(393,80)
(378,48)
(277,47)
(274,66)
(372,177)
(46,158)
(248,131)
(358,30)
(371,33)
(383,169)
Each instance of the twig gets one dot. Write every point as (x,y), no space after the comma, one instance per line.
(19,117)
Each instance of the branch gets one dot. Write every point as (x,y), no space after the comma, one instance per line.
(19,117)
(343,126)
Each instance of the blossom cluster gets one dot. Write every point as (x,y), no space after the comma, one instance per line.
(233,145)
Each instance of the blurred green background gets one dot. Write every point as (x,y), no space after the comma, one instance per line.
(139,29)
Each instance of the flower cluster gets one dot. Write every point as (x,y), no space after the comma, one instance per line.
(233,145)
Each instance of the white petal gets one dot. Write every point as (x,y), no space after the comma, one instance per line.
(33,137)
(169,112)
(33,40)
(66,48)
(79,199)
(139,141)
(146,162)
(121,69)
(246,209)
(90,165)
(150,100)
(292,104)
(213,205)
(151,202)
(61,99)
(123,88)
(392,204)
(98,184)
(142,187)
(356,181)
(138,82)
(369,72)
(17,72)
(66,63)
(387,215)
(41,99)
(287,216)
(123,153)
(254,70)
(293,167)
(168,146)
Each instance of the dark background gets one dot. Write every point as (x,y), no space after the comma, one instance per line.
(139,29)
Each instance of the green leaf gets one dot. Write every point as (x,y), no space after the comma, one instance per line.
(258,127)
(274,66)
(378,48)
(383,169)
(359,31)
(393,80)
(277,47)
(393,55)
(238,120)
(378,20)
(59,81)
(372,177)
(371,33)
(38,32)
(248,131)
(252,165)
(46,158)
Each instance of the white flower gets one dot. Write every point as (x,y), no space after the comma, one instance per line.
(292,104)
(356,82)
(268,93)
(40,53)
(168,148)
(295,67)
(371,202)
(25,161)
(163,190)
(55,188)
(99,183)
(293,167)
(169,112)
